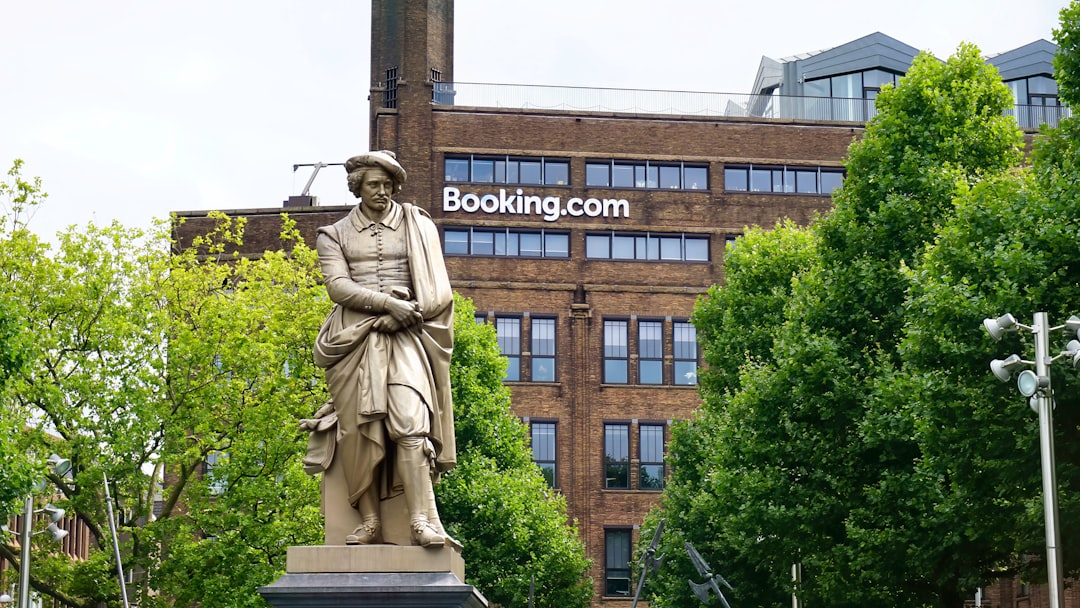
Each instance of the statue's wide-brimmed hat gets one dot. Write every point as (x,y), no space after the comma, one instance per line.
(382,158)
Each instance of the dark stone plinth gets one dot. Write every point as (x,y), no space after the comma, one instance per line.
(389,589)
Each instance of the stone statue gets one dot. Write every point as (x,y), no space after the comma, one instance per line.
(386,350)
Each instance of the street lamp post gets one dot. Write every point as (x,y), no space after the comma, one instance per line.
(1036,386)
(60,466)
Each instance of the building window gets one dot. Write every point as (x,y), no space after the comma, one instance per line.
(617,544)
(390,95)
(646,175)
(508,334)
(518,170)
(510,242)
(215,477)
(1036,100)
(686,352)
(649,246)
(543,448)
(782,179)
(616,355)
(543,350)
(617,456)
(651,457)
(650,352)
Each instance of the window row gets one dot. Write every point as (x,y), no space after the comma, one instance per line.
(799,180)
(648,467)
(649,246)
(536,364)
(647,365)
(474,168)
(661,351)
(646,174)
(507,242)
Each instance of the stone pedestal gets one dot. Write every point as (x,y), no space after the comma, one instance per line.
(341,576)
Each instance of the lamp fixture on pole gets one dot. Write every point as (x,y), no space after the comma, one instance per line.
(1035,384)
(60,466)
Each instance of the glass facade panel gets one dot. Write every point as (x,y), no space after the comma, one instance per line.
(806,181)
(622,247)
(615,352)
(508,335)
(735,180)
(622,176)
(670,177)
(652,176)
(670,248)
(456,241)
(543,449)
(597,174)
(532,244)
(598,246)
(617,456)
(697,249)
(483,171)
(761,180)
(617,546)
(556,245)
(831,180)
(686,353)
(457,170)
(556,173)
(483,243)
(695,178)
(651,457)
(530,172)
(650,352)
(543,350)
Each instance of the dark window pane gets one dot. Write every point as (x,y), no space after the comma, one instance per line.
(457,241)
(697,249)
(651,477)
(483,243)
(543,369)
(669,176)
(617,563)
(483,171)
(532,244)
(530,172)
(622,247)
(622,176)
(556,245)
(598,246)
(670,248)
(650,371)
(735,180)
(556,173)
(695,178)
(457,170)
(761,180)
(831,180)
(596,174)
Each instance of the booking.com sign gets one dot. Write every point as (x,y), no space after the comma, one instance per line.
(519,203)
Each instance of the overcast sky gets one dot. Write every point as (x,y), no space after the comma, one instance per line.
(130,109)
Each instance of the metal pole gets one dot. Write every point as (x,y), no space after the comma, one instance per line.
(24,540)
(1044,400)
(115,542)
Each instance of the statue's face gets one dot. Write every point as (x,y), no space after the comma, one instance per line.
(376,189)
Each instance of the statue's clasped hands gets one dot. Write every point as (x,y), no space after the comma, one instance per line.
(401,313)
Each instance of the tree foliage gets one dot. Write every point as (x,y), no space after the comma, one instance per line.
(496,501)
(825,439)
(181,375)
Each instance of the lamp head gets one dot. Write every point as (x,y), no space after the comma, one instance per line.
(1073,350)
(1003,368)
(56,532)
(999,326)
(6,599)
(55,513)
(1029,383)
(61,466)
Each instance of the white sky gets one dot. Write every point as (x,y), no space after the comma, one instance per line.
(129,109)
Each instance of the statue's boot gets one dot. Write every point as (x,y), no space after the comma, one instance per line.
(369,532)
(415,470)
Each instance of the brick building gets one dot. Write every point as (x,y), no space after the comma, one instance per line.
(585,223)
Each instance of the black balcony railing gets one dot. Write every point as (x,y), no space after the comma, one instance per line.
(689,103)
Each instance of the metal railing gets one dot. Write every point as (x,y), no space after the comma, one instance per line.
(688,103)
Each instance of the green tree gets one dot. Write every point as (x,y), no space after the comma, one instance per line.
(810,450)
(496,501)
(181,374)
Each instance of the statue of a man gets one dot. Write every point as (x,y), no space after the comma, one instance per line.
(386,350)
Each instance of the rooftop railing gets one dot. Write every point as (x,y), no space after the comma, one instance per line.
(689,103)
